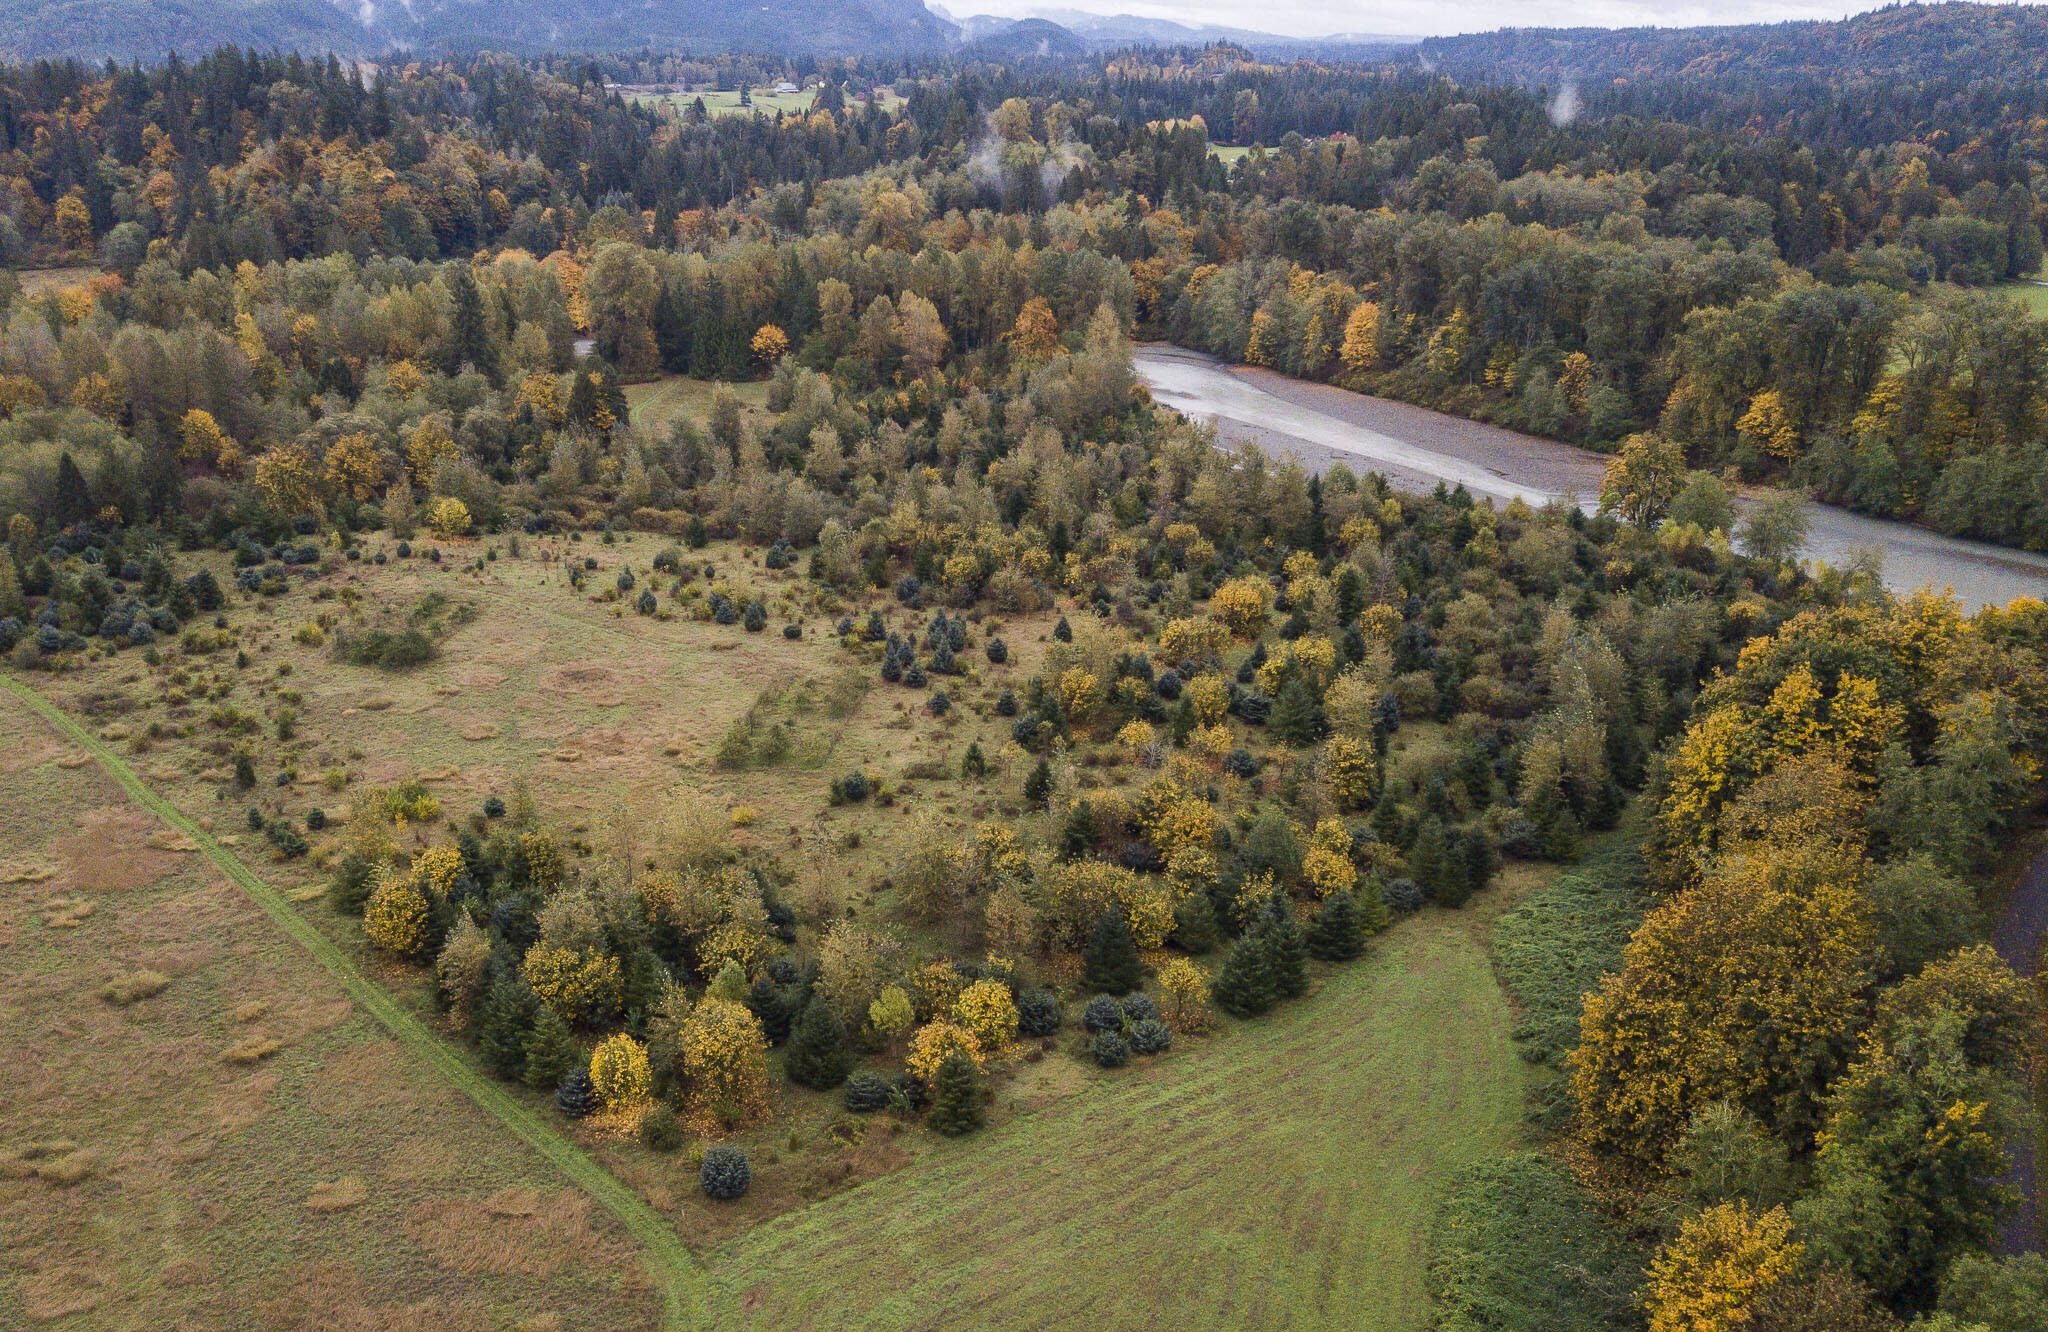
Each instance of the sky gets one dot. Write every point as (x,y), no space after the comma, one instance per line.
(1421,18)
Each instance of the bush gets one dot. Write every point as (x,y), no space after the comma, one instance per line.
(290,846)
(725,1173)
(756,618)
(1103,1013)
(385,650)
(866,1093)
(1006,704)
(998,651)
(661,1130)
(1109,1049)
(1151,1037)
(852,788)
(316,819)
(1519,1244)
(494,808)
(1139,1008)
(1038,1013)
(1404,897)
(792,631)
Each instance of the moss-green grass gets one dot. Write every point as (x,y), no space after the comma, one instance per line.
(1229,153)
(659,403)
(2032,294)
(1283,1176)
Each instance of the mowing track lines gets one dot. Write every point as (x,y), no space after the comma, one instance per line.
(669,1262)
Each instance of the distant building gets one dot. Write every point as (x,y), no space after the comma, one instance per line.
(785,87)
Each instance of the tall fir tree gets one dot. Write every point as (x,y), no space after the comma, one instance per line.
(956,1096)
(1338,932)
(1110,962)
(818,1054)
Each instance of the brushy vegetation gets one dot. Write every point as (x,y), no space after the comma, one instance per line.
(1521,1246)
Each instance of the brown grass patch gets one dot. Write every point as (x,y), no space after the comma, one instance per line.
(74,761)
(515,1231)
(134,987)
(62,1292)
(26,871)
(66,913)
(337,1195)
(253,1050)
(170,839)
(111,852)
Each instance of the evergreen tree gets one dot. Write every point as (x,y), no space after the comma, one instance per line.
(975,764)
(956,1096)
(765,1001)
(1110,963)
(469,335)
(504,1018)
(1338,934)
(551,1050)
(1428,857)
(575,1097)
(1038,786)
(818,1054)
(72,500)
(1298,714)
(1286,954)
(1194,924)
(1245,986)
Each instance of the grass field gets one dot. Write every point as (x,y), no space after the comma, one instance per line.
(763,101)
(1281,1177)
(658,404)
(1229,153)
(2033,295)
(42,281)
(199,1127)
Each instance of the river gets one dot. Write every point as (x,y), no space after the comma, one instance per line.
(1415,448)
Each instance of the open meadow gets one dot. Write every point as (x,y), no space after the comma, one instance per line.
(201,1129)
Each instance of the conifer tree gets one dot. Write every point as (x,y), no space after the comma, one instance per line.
(1338,932)
(1245,986)
(956,1096)
(1111,964)
(551,1050)
(818,1053)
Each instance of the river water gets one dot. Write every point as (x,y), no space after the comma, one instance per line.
(1415,448)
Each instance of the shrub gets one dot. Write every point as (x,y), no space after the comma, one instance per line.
(1139,1008)
(1062,631)
(395,916)
(998,651)
(1150,1037)
(1006,704)
(284,837)
(316,819)
(756,618)
(661,1130)
(1404,897)
(1103,1013)
(1109,1049)
(619,1071)
(494,808)
(725,1174)
(792,631)
(986,1009)
(1038,1013)
(867,1093)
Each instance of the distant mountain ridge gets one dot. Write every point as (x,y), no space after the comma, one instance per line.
(148,29)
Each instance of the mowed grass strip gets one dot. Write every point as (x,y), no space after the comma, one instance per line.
(1283,1176)
(669,1261)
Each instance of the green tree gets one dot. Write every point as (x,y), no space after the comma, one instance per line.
(956,1096)
(551,1051)
(1110,962)
(819,1056)
(1338,932)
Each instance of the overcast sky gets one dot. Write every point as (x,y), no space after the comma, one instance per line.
(1307,18)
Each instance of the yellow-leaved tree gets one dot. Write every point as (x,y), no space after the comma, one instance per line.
(620,1073)
(1709,1277)
(723,1064)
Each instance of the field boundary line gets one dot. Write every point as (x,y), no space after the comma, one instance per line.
(675,1270)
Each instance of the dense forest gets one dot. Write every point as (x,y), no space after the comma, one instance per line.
(272,307)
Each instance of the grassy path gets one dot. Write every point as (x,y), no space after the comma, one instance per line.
(674,1270)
